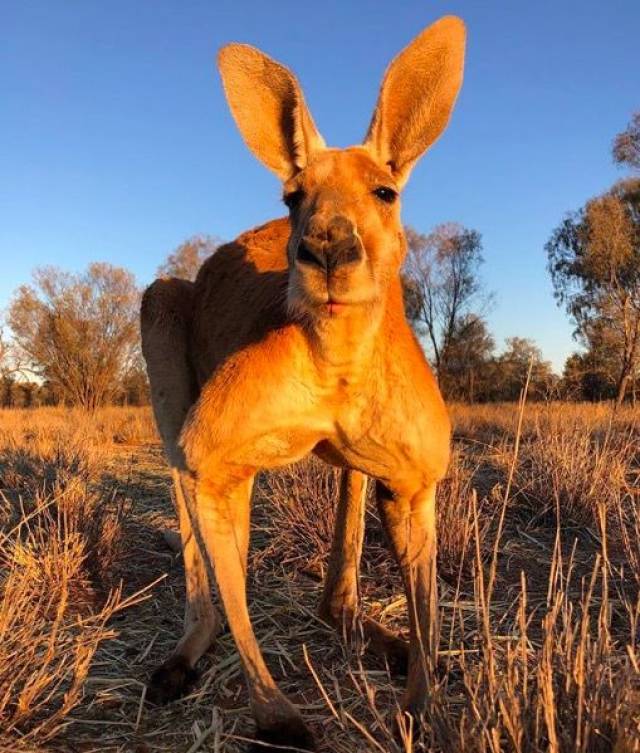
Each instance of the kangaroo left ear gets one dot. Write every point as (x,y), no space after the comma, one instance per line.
(268,106)
(417,96)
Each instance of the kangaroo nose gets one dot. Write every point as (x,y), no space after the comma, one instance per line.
(329,245)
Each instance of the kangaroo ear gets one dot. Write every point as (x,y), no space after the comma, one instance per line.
(267,104)
(417,96)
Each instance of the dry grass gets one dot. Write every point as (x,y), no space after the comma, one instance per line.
(540,577)
(61,539)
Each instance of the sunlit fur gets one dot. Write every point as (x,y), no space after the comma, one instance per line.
(342,182)
(280,349)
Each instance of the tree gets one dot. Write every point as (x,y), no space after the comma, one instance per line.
(594,261)
(187,259)
(511,369)
(587,376)
(135,387)
(469,355)
(78,331)
(443,290)
(7,391)
(626,145)
(9,368)
(4,352)
(10,365)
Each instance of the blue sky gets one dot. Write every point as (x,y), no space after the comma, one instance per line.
(117,143)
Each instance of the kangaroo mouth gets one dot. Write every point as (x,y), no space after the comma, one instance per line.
(325,298)
(335,308)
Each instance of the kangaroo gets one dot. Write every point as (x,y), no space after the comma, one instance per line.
(293,339)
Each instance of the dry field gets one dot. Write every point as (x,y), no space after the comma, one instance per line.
(539,562)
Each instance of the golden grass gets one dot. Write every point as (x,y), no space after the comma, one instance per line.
(60,540)
(539,558)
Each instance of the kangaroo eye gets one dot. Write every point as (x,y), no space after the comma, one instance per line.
(293,199)
(386,194)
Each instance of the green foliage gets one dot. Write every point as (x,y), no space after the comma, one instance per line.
(594,262)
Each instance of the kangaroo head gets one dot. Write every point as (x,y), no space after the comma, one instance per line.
(346,243)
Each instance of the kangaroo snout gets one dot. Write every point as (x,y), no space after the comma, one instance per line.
(329,244)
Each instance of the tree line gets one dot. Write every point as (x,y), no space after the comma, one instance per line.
(446,303)
(74,337)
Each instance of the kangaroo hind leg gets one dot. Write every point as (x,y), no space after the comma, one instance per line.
(165,316)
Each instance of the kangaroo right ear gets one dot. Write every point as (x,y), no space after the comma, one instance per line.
(267,104)
(417,96)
